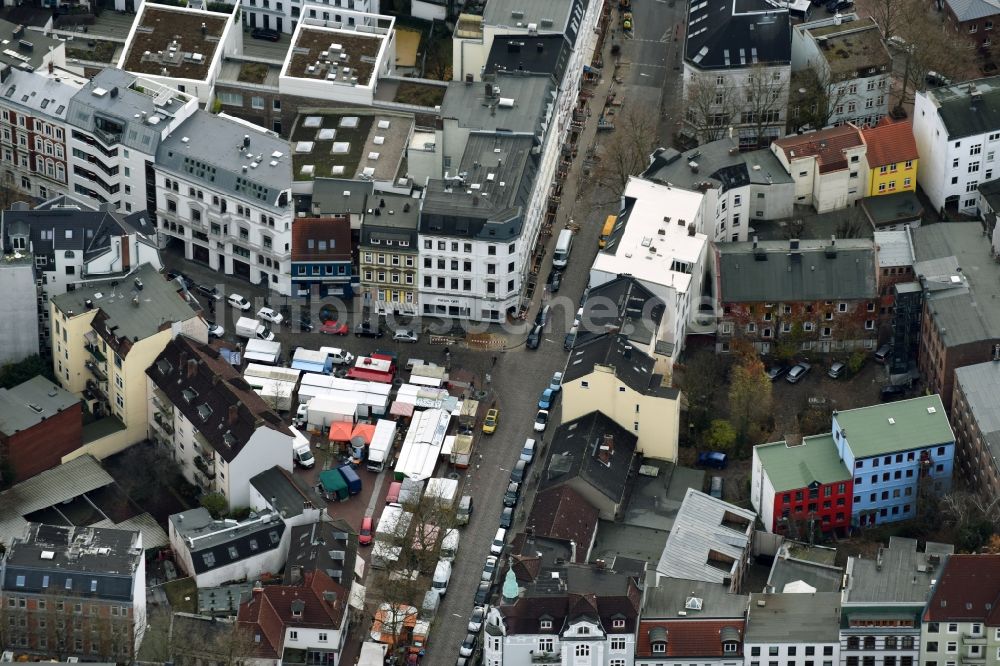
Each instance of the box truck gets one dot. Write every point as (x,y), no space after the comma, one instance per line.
(301,453)
(381,445)
(252,329)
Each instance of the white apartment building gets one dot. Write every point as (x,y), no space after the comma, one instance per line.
(223,192)
(828,166)
(660,241)
(960,626)
(220,434)
(284,15)
(116,121)
(848,54)
(958,139)
(793,629)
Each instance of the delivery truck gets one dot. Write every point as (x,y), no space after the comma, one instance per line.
(301,453)
(323,410)
(381,445)
(441,491)
(252,329)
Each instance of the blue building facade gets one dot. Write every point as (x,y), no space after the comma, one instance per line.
(897,451)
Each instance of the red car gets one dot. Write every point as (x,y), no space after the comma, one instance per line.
(334,328)
(365,536)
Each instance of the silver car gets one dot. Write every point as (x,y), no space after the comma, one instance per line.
(403,335)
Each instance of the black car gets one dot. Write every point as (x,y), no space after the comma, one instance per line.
(892,392)
(835,6)
(507,517)
(265,33)
(368,330)
(555,281)
(482,593)
(211,292)
(517,474)
(534,338)
(305,323)
(513,492)
(570,339)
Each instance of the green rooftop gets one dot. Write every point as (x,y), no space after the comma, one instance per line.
(792,467)
(896,426)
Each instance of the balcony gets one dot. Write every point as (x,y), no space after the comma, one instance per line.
(96,371)
(96,389)
(206,468)
(163,424)
(96,353)
(974,639)
(163,407)
(546,658)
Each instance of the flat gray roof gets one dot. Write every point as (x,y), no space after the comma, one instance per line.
(893,248)
(981,384)
(32,53)
(901,573)
(31,402)
(159,303)
(718,164)
(794,618)
(471,108)
(548,15)
(665,598)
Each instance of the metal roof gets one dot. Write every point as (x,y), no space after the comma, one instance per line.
(971,10)
(795,467)
(896,426)
(900,573)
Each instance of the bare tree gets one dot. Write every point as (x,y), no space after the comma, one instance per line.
(815,98)
(626,152)
(888,14)
(710,105)
(765,95)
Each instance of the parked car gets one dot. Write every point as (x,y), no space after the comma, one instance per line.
(935,79)
(491,421)
(570,340)
(556,382)
(518,472)
(468,645)
(305,323)
(882,353)
(543,316)
(835,6)
(777,371)
(541,420)
(273,316)
(482,594)
(403,335)
(512,495)
(490,569)
(476,619)
(265,34)
(507,517)
(238,302)
(368,330)
(555,281)
(797,372)
(892,392)
(334,327)
(837,370)
(210,292)
(716,459)
(214,330)
(715,489)
(464,512)
(528,451)
(365,535)
(547,398)
(534,338)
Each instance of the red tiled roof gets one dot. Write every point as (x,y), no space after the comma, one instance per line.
(890,142)
(333,232)
(563,513)
(687,638)
(827,146)
(269,610)
(968,589)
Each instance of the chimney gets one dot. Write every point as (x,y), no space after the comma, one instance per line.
(204,30)
(192,367)
(233,414)
(51,67)
(691,229)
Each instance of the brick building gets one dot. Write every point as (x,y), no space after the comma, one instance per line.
(975,418)
(39,424)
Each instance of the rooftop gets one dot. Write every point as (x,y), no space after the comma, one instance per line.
(487,195)
(852,47)
(958,270)
(230,155)
(344,57)
(622,307)
(971,10)
(990,191)
(980,385)
(213,396)
(350,144)
(259,73)
(564,514)
(340,196)
(330,546)
(719,163)
(897,426)
(27,48)
(594,449)
(708,539)
(737,33)
(794,618)
(669,597)
(793,467)
(68,226)
(397,221)
(828,146)
(968,589)
(959,115)
(46,95)
(631,366)
(690,639)
(653,239)
(218,543)
(31,402)
(901,573)
(76,561)
(287,493)
(889,142)
(893,209)
(546,15)
(321,239)
(513,102)
(174,42)
(538,54)
(130,312)
(791,573)
(773,271)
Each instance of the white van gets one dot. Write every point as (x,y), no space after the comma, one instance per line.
(563,247)
(442,574)
(449,544)
(496,548)
(338,356)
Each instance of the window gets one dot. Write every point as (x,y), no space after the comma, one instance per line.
(932,646)
(293,635)
(322,637)
(545,624)
(582,651)
(617,644)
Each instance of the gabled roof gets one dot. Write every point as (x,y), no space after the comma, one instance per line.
(621,307)
(82,229)
(724,34)
(889,142)
(972,10)
(689,638)
(212,395)
(968,590)
(321,239)
(827,146)
(564,514)
(896,426)
(594,449)
(793,467)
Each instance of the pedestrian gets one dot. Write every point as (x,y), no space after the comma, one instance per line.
(494,360)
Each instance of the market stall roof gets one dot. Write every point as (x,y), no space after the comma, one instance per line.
(340,431)
(401,409)
(365,430)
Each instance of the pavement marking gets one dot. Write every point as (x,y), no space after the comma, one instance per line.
(376,494)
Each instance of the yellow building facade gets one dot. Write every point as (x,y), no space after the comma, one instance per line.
(892,158)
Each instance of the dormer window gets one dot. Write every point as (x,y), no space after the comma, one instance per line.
(545,624)
(730,647)
(618,624)
(19,242)
(658,640)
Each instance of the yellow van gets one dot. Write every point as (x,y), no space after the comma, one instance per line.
(609,224)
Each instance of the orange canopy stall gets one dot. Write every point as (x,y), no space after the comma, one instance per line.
(340,431)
